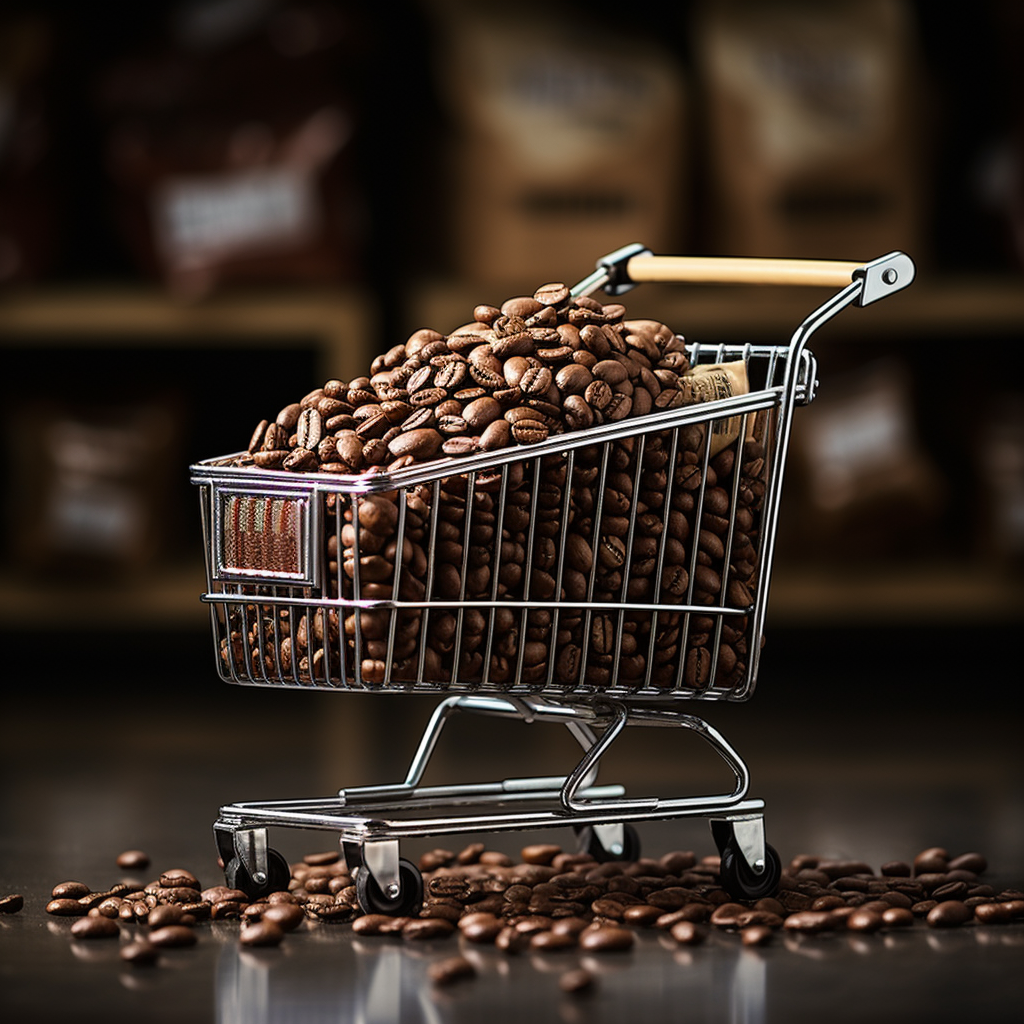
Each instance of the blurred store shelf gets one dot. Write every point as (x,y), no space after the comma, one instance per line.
(339,321)
(929,594)
(164,599)
(934,305)
(343,331)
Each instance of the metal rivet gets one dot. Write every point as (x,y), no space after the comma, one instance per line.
(889,276)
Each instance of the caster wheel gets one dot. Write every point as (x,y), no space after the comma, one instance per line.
(408,900)
(236,876)
(588,842)
(741,881)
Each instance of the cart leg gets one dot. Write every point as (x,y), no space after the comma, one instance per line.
(225,838)
(249,863)
(380,859)
(386,884)
(750,868)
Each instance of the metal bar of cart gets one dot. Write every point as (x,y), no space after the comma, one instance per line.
(254,607)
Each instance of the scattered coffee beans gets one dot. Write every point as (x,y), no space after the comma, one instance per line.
(548,903)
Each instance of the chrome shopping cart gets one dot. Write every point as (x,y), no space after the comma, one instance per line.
(598,579)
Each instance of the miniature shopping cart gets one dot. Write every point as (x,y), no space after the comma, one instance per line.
(678,511)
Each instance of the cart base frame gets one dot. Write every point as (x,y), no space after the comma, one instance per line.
(370,821)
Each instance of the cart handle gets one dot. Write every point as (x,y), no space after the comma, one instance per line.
(634,264)
(740,270)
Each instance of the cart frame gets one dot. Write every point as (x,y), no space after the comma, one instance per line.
(372,820)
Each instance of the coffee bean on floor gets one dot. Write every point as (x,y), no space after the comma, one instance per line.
(11,903)
(261,933)
(97,927)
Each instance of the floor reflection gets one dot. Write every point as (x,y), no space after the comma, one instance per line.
(381,981)
(323,975)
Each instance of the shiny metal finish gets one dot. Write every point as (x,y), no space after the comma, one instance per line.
(267,562)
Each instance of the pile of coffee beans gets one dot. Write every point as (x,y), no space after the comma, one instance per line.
(623,521)
(548,901)
(538,365)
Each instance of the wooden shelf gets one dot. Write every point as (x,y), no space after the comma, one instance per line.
(341,322)
(166,598)
(912,594)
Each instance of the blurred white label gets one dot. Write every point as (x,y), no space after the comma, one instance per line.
(861,441)
(204,217)
(95,517)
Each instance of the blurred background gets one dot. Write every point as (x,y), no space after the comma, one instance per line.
(208,207)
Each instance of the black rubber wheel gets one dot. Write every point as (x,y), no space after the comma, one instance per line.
(279,874)
(410,892)
(589,843)
(741,881)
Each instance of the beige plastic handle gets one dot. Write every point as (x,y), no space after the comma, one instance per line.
(740,270)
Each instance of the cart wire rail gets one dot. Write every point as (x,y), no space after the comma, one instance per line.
(293,606)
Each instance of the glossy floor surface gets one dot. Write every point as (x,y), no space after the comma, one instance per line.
(852,761)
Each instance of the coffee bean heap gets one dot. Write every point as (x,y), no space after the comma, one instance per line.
(549,901)
(538,365)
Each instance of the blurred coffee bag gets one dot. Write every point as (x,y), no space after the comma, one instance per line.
(863,485)
(30,200)
(229,145)
(568,139)
(813,127)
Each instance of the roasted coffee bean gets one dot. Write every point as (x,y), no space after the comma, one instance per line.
(263,932)
(457,446)
(69,890)
(551,294)
(969,862)
(427,928)
(133,860)
(95,927)
(66,907)
(173,936)
(165,914)
(688,933)
(287,916)
(864,919)
(934,860)
(552,942)
(809,921)
(11,903)
(950,891)
(949,913)
(606,939)
(898,917)
(309,428)
(480,927)
(529,431)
